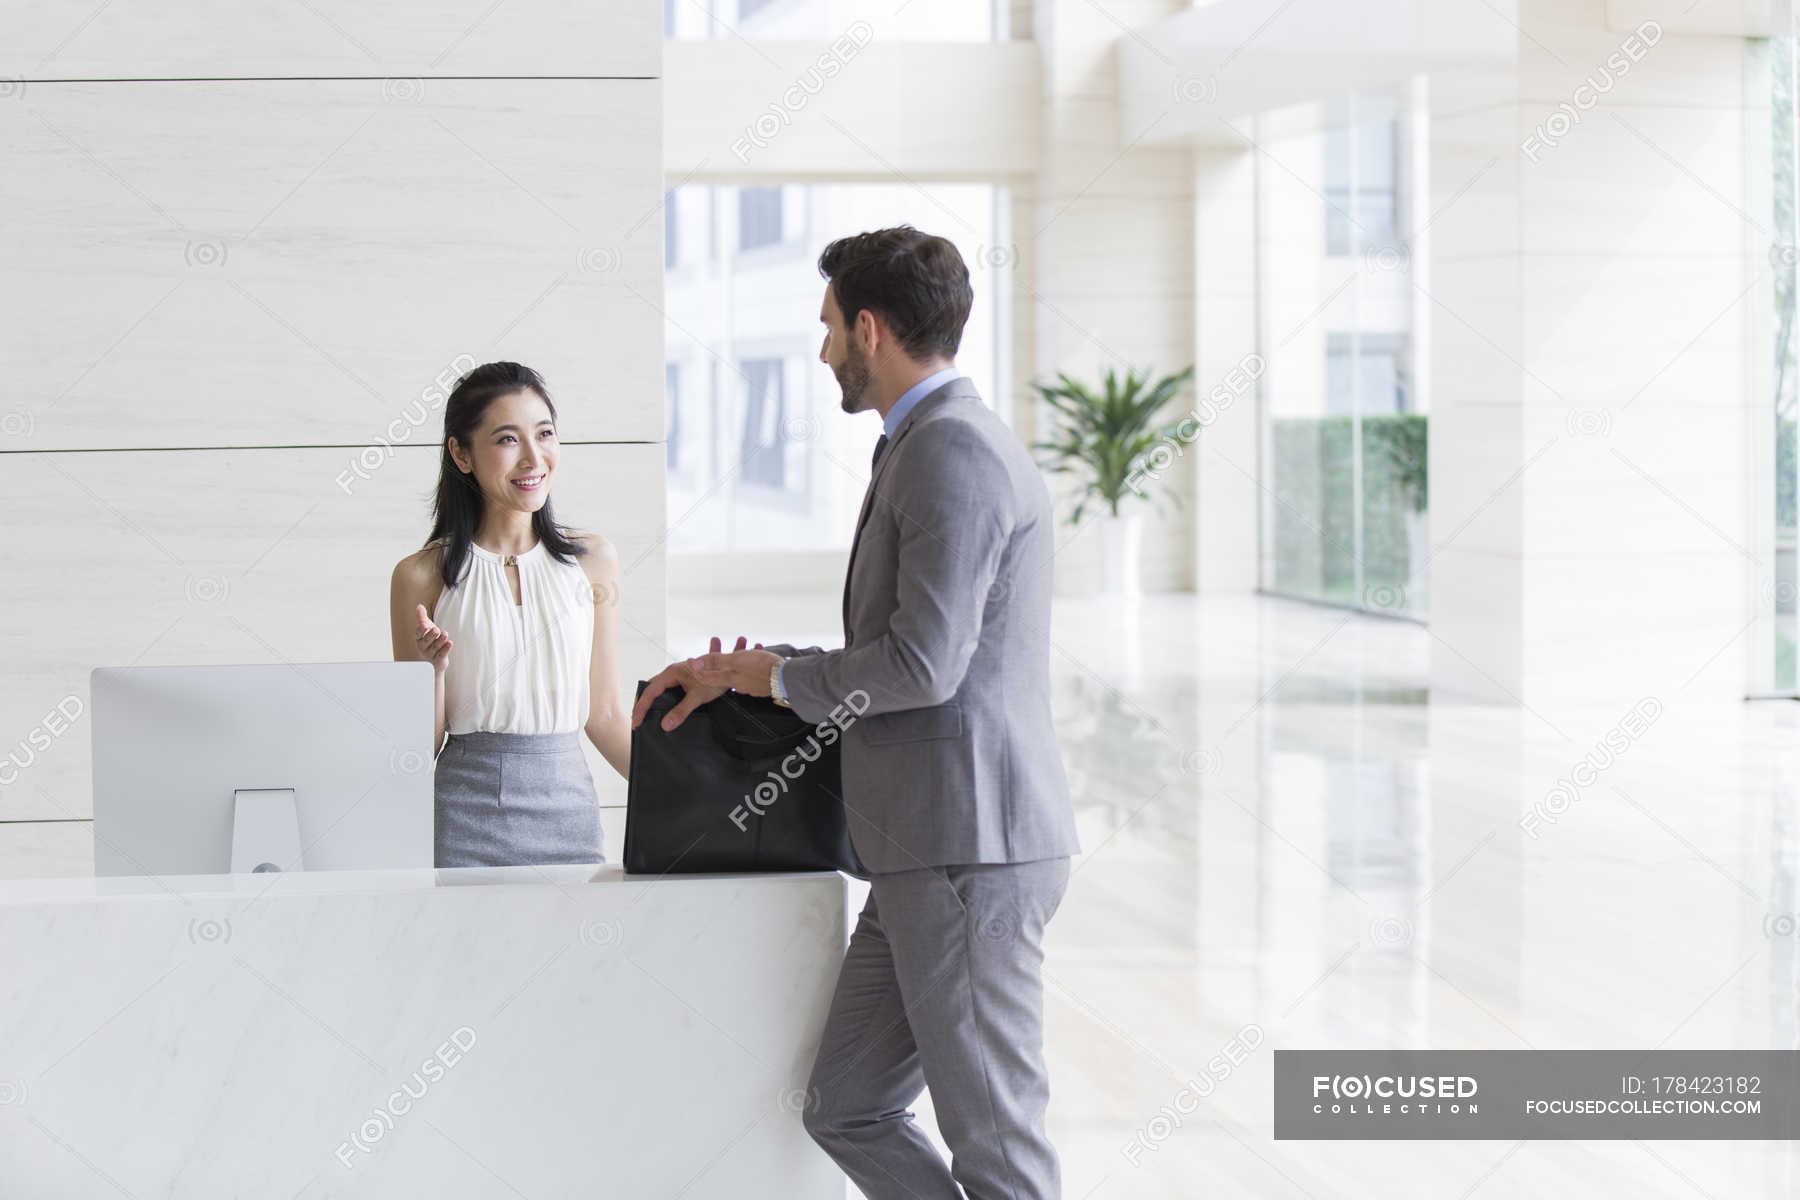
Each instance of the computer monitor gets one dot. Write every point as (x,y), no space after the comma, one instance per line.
(301,766)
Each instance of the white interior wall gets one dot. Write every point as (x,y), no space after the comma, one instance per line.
(246,244)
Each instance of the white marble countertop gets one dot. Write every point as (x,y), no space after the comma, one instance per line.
(336,1035)
(326,883)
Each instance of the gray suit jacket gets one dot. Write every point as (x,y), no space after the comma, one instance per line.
(953,758)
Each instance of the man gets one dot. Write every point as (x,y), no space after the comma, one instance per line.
(954,785)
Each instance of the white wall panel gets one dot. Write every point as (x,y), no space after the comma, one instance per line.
(738,109)
(46,849)
(48,39)
(293,262)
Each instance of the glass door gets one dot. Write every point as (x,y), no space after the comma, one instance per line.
(1343,414)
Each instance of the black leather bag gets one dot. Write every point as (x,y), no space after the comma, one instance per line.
(742,784)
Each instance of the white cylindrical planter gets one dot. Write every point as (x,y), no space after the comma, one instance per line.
(1418,555)
(1119,540)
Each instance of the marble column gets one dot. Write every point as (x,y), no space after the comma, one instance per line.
(1593,271)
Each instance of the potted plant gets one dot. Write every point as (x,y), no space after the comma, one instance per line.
(1401,440)
(1110,439)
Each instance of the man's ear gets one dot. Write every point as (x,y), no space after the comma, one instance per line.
(869,331)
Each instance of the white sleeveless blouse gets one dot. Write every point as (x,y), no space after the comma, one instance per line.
(517,668)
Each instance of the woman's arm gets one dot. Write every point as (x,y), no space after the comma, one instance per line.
(609,717)
(412,597)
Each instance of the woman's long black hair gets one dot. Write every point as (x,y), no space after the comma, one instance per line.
(456,511)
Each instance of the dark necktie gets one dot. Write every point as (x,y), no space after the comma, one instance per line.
(856,539)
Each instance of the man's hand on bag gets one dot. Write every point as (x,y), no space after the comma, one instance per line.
(696,690)
(740,670)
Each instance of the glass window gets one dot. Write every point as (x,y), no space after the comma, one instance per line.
(1362,177)
(759,217)
(1344,423)
(1777,377)
(1366,370)
(765,423)
(762,457)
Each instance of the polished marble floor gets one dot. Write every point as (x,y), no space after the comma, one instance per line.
(1281,833)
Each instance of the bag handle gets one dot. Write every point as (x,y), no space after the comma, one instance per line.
(746,733)
(746,728)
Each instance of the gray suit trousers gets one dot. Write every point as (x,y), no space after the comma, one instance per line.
(942,987)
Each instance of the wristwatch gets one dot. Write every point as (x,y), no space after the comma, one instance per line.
(775,692)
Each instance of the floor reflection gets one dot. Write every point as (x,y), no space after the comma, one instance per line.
(1282,833)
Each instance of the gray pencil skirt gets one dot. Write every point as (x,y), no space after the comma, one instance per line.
(510,799)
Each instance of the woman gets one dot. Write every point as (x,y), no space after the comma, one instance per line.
(530,610)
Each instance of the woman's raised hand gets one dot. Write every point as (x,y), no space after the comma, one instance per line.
(434,644)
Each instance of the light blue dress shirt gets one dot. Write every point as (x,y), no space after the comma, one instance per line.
(891,422)
(913,395)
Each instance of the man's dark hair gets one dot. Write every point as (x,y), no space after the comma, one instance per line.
(916,282)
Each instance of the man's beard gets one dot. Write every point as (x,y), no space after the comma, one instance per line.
(853,381)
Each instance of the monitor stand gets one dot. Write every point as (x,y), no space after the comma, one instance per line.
(265,831)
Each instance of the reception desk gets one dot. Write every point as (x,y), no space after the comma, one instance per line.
(537,1032)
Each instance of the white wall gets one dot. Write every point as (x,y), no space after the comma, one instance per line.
(1591,410)
(1112,279)
(243,243)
